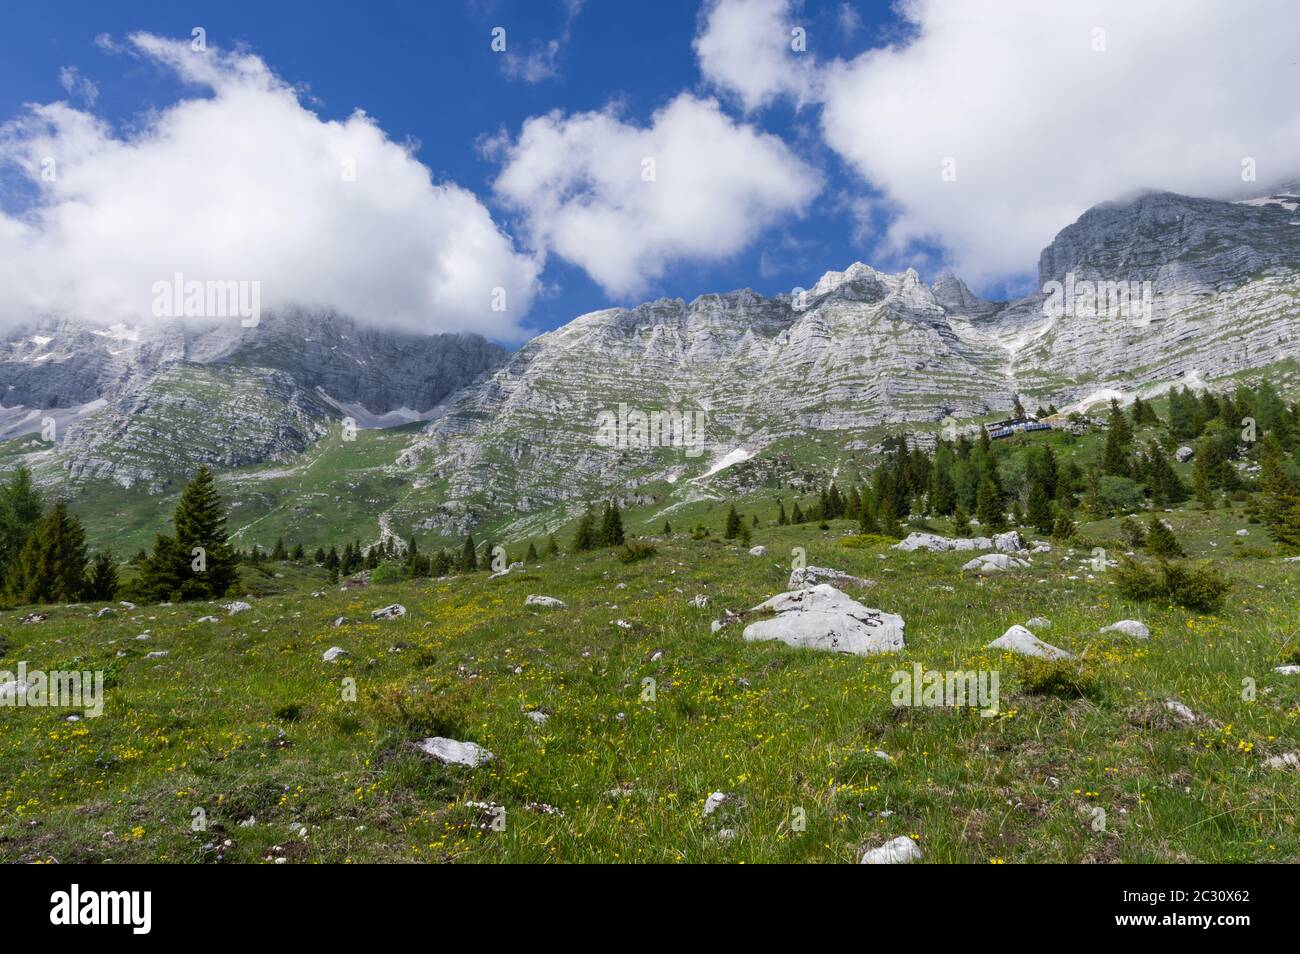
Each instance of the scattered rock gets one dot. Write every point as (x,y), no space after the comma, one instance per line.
(208,619)
(334,652)
(728,617)
(1129,627)
(157,654)
(938,544)
(126,604)
(1243,532)
(1020,640)
(1183,713)
(1008,542)
(537,716)
(700,601)
(341,621)
(1184,454)
(35,618)
(236,607)
(392,611)
(716,801)
(758,551)
(1038,622)
(1288,670)
(901,851)
(549,601)
(451,752)
(995,563)
(812,575)
(1283,761)
(824,618)
(106,611)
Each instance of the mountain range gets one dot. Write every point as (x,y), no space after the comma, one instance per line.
(792,384)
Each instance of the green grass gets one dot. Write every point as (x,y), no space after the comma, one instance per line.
(243,719)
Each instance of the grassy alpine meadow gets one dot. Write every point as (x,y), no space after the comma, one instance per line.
(614,717)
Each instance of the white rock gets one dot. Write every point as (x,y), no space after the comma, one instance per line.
(1243,532)
(1008,542)
(1184,454)
(340,621)
(236,607)
(209,619)
(127,605)
(758,551)
(716,801)
(157,654)
(391,611)
(1285,760)
(994,563)
(1020,640)
(1177,708)
(824,618)
(106,611)
(901,851)
(700,602)
(1288,670)
(1041,547)
(812,575)
(1129,627)
(452,752)
(938,544)
(1038,622)
(535,600)
(333,653)
(537,716)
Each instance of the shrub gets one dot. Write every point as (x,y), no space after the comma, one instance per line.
(635,550)
(427,709)
(1121,494)
(1064,678)
(388,572)
(1132,533)
(866,541)
(699,532)
(1161,541)
(1196,587)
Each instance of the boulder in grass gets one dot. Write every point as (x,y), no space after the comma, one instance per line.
(392,611)
(824,618)
(1020,640)
(547,601)
(1183,713)
(333,653)
(700,601)
(758,551)
(1287,670)
(35,618)
(208,619)
(1129,627)
(937,544)
(715,801)
(451,752)
(812,575)
(900,851)
(1184,454)
(1287,760)
(106,611)
(995,563)
(1038,622)
(238,606)
(1008,542)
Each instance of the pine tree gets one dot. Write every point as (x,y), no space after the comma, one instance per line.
(668,529)
(1280,508)
(960,521)
(867,522)
(468,555)
(781,518)
(552,548)
(1165,485)
(853,508)
(733,524)
(1063,528)
(1161,541)
(611,526)
(531,555)
(796,515)
(332,561)
(52,564)
(197,562)
(279,554)
(584,538)
(942,495)
(1040,508)
(988,507)
(298,553)
(102,586)
(319,556)
(20,509)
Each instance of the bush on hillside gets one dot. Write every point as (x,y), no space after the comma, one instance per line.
(1196,587)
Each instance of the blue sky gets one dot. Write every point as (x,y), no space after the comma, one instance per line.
(426,72)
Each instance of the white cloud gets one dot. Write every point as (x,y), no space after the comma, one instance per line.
(745,47)
(541,62)
(76,85)
(1042,125)
(580,185)
(241,182)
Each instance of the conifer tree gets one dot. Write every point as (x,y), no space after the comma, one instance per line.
(468,555)
(279,554)
(733,524)
(796,515)
(988,507)
(553,548)
(781,518)
(298,553)
(319,556)
(1040,508)
(51,566)
(197,562)
(611,525)
(867,522)
(960,521)
(1161,541)
(103,583)
(531,555)
(584,538)
(20,510)
(1063,528)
